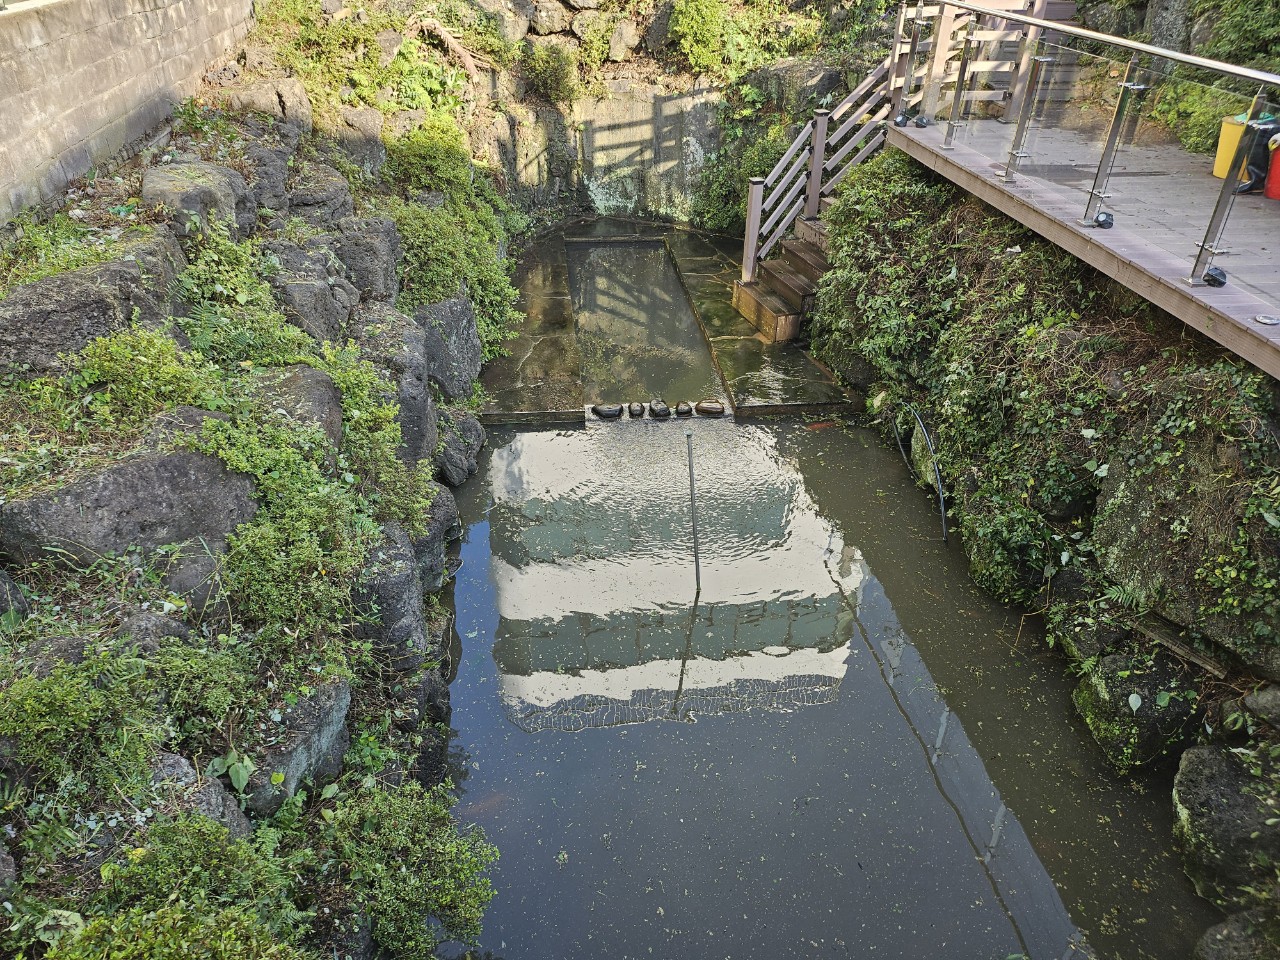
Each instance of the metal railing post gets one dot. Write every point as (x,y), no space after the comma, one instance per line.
(962,81)
(818,148)
(751,243)
(1016,153)
(1102,178)
(1226,196)
(917,25)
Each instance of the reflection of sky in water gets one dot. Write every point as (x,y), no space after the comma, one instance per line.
(827,803)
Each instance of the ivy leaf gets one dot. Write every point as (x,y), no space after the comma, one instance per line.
(1135,701)
(1088,433)
(1162,698)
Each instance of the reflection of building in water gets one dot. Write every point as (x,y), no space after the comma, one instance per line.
(781,655)
(589,634)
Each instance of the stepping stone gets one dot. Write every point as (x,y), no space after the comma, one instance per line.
(710,408)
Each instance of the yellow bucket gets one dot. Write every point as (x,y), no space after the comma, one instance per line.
(1228,141)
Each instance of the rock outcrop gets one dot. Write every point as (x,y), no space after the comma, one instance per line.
(197,194)
(44,321)
(309,748)
(462,437)
(1221,824)
(451,350)
(185,791)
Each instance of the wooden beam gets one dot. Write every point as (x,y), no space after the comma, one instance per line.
(1154,274)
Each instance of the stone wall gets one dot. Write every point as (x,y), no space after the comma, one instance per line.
(85,80)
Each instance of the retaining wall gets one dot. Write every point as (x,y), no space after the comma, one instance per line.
(82,81)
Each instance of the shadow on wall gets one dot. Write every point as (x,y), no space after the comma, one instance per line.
(638,150)
(84,82)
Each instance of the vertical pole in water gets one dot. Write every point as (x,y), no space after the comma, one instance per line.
(693,512)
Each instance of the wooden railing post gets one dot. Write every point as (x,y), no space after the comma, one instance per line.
(755,201)
(819,156)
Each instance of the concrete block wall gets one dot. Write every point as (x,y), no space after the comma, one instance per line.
(82,80)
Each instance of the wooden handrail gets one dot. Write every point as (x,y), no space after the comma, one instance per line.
(785,183)
(800,140)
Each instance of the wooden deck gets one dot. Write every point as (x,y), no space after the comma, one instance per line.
(1161,203)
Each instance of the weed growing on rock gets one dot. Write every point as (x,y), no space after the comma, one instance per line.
(234,318)
(195,860)
(552,72)
(49,247)
(406,857)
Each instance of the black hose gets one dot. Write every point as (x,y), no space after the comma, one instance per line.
(937,474)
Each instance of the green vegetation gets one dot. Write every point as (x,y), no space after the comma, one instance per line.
(406,856)
(1077,427)
(341,61)
(727,40)
(552,72)
(56,245)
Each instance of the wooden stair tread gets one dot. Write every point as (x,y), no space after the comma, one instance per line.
(768,312)
(805,257)
(788,283)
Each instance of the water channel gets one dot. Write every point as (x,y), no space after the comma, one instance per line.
(837,747)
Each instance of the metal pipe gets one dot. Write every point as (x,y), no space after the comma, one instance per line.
(1227,195)
(1016,153)
(962,82)
(1066,29)
(693,513)
(751,240)
(1107,161)
(937,474)
(818,152)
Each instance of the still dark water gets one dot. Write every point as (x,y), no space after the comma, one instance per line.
(839,748)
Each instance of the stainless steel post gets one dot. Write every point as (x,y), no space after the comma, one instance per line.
(693,512)
(1226,196)
(818,147)
(751,242)
(1016,153)
(962,81)
(1107,161)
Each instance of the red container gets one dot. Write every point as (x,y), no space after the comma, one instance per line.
(1271,189)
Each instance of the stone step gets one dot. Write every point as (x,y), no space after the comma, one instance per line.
(826,203)
(767,312)
(806,258)
(788,283)
(812,231)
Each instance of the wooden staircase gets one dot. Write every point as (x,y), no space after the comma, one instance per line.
(783,293)
(935,46)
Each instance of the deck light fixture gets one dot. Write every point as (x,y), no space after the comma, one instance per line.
(901,120)
(1267,320)
(1103,220)
(1215,277)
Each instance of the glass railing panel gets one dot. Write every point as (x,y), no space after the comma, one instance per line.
(987,85)
(1251,238)
(1162,185)
(1075,101)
